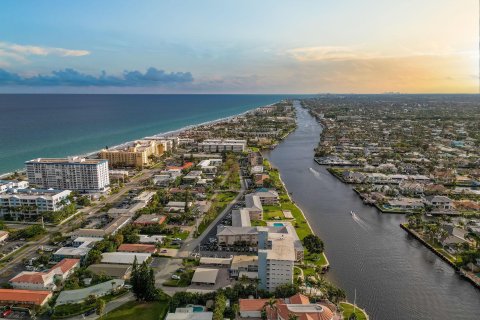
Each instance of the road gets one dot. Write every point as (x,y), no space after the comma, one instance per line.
(190,244)
(112,305)
(12,267)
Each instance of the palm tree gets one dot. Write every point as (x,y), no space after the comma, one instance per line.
(272,306)
(235,309)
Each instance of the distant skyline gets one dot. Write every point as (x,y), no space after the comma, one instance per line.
(349,46)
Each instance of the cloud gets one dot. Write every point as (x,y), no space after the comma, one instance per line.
(71,77)
(329,53)
(20,53)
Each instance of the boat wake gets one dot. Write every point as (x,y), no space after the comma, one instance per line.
(315,173)
(360,221)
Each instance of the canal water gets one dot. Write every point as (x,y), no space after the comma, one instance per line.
(395,277)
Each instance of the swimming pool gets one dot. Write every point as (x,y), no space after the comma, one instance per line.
(197,309)
(278,224)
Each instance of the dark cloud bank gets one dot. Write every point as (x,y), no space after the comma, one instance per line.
(71,77)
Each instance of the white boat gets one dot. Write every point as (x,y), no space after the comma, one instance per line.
(353,214)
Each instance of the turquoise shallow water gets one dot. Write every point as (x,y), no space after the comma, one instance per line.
(56,125)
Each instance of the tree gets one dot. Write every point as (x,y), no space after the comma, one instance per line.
(285,290)
(143,282)
(270,307)
(100,305)
(313,243)
(219,308)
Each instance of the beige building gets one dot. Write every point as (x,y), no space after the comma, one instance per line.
(135,154)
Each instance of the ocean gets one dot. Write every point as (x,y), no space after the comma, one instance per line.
(59,125)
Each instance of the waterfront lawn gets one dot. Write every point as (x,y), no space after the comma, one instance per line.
(348,310)
(271,212)
(139,311)
(317,259)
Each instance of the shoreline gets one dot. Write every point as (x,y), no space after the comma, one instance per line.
(165,134)
(427,245)
(463,274)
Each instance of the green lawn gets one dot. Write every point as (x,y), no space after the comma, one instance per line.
(139,311)
(272,212)
(348,310)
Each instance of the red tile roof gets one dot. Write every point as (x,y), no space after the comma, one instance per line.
(299,299)
(146,248)
(66,265)
(252,304)
(24,296)
(30,277)
(186,165)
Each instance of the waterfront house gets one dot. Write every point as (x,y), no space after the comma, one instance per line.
(405,204)
(439,202)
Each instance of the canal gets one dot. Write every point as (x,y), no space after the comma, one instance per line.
(395,277)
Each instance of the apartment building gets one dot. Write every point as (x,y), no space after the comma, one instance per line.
(136,154)
(30,203)
(73,173)
(222,145)
(12,184)
(276,259)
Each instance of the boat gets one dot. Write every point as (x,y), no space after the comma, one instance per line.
(353,214)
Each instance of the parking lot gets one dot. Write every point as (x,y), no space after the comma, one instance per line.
(209,248)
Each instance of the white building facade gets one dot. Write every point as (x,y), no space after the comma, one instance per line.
(77,174)
(219,145)
(29,203)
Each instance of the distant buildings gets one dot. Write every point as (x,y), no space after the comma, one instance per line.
(222,145)
(29,203)
(135,154)
(73,173)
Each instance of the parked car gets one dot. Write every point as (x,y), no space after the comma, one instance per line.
(175,277)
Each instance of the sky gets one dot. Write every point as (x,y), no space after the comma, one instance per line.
(244,46)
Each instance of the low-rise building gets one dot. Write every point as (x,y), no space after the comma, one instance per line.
(267,196)
(205,276)
(30,203)
(149,220)
(71,253)
(140,248)
(117,271)
(27,298)
(12,184)
(98,290)
(124,257)
(110,229)
(222,145)
(31,280)
(439,202)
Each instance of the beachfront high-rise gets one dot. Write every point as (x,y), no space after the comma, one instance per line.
(135,154)
(73,173)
